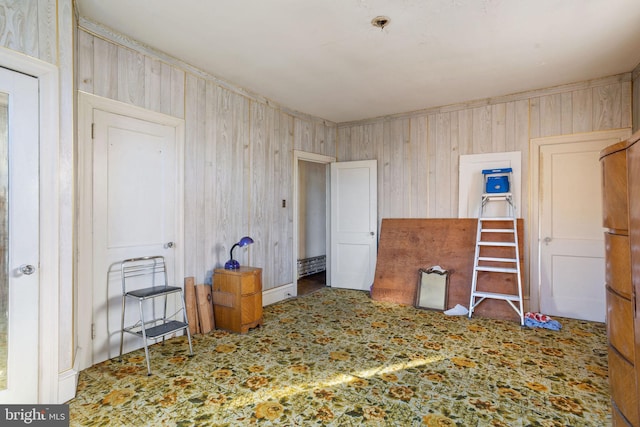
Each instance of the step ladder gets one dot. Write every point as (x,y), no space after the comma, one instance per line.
(486,239)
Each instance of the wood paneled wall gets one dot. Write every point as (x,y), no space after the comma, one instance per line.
(238,155)
(106,70)
(29,27)
(418,153)
(239,147)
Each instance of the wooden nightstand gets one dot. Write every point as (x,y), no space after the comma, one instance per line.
(237,298)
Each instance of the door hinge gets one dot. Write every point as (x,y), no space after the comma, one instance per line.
(93,331)
(93,126)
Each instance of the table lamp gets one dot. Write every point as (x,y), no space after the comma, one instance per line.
(232,264)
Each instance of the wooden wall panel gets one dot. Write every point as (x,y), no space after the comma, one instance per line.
(582,103)
(395,177)
(232,175)
(131,77)
(473,129)
(595,107)
(176,99)
(437,162)
(196,132)
(499,127)
(85,74)
(152,75)
(362,142)
(30,27)
(105,69)
(481,133)
(271,224)
(465,131)
(238,156)
(111,71)
(314,136)
(263,207)
(304,137)
(551,114)
(209,209)
(53,37)
(239,149)
(479,127)
(281,144)
(418,167)
(191,194)
(20,29)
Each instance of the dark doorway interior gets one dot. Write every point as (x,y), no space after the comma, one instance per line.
(311,283)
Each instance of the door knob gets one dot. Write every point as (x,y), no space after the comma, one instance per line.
(547,240)
(168,245)
(27,269)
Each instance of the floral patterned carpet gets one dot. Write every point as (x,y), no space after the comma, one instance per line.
(337,358)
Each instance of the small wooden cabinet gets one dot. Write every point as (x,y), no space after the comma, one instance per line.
(237,298)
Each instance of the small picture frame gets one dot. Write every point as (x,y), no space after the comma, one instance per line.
(433,284)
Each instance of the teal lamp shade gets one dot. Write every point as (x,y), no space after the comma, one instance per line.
(232,264)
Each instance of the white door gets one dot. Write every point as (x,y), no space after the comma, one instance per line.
(136,180)
(19,233)
(571,238)
(354,224)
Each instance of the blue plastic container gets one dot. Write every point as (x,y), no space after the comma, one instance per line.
(497,180)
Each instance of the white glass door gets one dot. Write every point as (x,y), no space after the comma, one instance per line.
(19,237)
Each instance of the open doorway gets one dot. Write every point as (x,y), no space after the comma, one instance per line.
(311,222)
(312,226)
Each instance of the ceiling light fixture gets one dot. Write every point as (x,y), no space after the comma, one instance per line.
(380,21)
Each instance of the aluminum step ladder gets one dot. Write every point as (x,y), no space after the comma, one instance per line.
(507,264)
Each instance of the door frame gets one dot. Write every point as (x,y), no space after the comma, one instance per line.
(315,158)
(49,145)
(84,255)
(535,147)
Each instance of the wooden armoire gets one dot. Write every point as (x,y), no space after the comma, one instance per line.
(621,219)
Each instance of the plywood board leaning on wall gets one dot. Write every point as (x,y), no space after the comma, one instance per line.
(192,305)
(406,245)
(205,308)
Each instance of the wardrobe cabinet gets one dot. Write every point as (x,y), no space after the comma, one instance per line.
(621,219)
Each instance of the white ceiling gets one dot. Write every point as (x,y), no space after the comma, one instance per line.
(324,58)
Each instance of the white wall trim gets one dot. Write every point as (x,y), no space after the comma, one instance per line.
(534,206)
(68,383)
(84,197)
(280,293)
(49,305)
(316,158)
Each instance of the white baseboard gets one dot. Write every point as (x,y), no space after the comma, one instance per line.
(67,385)
(281,293)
